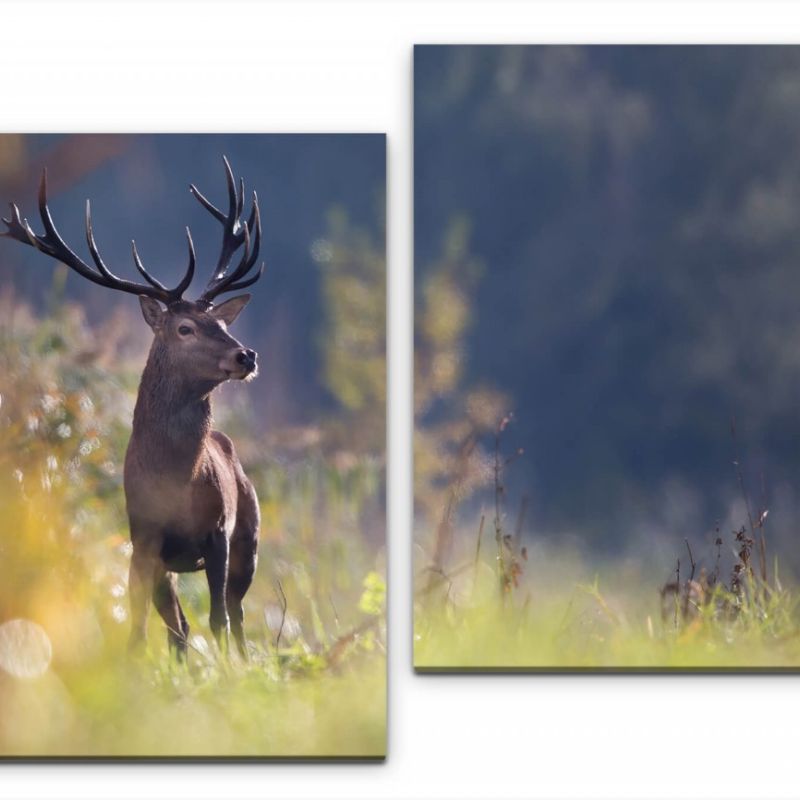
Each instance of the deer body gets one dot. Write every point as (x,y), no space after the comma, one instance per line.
(190,505)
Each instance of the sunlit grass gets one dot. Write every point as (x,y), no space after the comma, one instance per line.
(539,640)
(107,706)
(562,617)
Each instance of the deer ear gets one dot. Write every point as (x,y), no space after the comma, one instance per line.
(230,309)
(151,311)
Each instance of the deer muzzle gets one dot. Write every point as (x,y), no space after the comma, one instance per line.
(247,359)
(241,364)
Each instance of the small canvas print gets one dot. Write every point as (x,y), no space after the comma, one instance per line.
(192,427)
(607,432)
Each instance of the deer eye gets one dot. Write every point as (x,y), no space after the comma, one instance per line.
(185,330)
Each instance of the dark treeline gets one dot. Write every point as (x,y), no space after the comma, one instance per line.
(636,211)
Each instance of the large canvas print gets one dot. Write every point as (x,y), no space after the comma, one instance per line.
(192,446)
(607,442)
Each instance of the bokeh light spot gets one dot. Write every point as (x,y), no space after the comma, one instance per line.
(25,649)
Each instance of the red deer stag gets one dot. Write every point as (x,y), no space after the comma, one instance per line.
(190,504)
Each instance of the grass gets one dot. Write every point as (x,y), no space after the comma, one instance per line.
(554,613)
(581,631)
(153,708)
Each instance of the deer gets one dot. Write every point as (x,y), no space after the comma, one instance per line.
(190,505)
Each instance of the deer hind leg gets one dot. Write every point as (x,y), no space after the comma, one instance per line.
(140,588)
(165,598)
(216,562)
(241,567)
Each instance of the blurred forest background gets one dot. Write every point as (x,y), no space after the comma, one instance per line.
(607,244)
(310,431)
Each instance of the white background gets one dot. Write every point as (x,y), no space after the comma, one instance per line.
(346,66)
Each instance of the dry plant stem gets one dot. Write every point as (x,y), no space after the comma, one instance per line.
(746,498)
(677,591)
(762,541)
(523,509)
(498,523)
(336,650)
(284,605)
(477,554)
(480,538)
(523,612)
(688,592)
(444,532)
(188,643)
(335,612)
(439,577)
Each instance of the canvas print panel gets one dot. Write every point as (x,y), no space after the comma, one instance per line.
(607,445)
(192,455)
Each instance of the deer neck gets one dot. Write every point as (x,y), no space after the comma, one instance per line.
(172,417)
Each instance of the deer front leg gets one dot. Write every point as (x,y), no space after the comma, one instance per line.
(140,589)
(216,558)
(165,597)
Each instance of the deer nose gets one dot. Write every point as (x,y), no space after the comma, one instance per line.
(247,358)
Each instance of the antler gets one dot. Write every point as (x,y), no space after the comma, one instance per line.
(235,234)
(51,244)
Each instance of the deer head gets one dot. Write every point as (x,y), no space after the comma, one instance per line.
(201,351)
(194,333)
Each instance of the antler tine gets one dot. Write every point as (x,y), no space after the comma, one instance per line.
(235,234)
(232,235)
(249,257)
(240,199)
(17,229)
(207,204)
(187,278)
(216,285)
(233,197)
(249,282)
(178,291)
(142,271)
(96,253)
(253,213)
(51,244)
(232,280)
